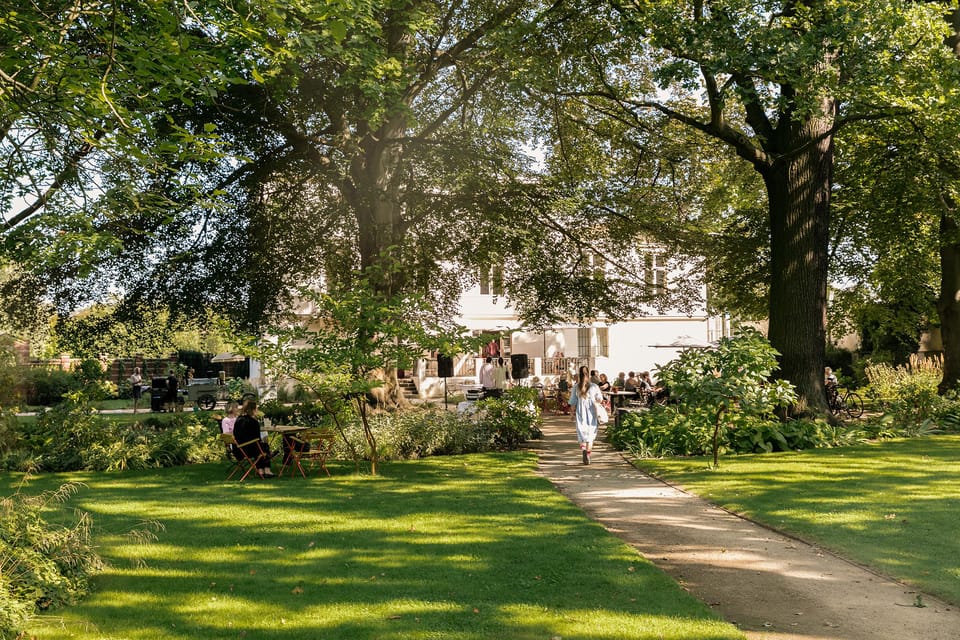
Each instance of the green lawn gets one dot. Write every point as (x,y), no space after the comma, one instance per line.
(893,505)
(459,548)
(122,418)
(107,405)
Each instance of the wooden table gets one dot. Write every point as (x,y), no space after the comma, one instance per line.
(619,398)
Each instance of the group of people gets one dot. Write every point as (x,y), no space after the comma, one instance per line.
(494,377)
(244,424)
(171,402)
(640,384)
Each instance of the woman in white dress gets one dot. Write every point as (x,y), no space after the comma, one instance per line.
(584,401)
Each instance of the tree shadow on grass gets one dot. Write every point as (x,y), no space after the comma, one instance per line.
(462,547)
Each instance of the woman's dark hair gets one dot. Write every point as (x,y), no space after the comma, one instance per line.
(583,383)
(249,408)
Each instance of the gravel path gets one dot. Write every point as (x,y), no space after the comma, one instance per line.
(771,586)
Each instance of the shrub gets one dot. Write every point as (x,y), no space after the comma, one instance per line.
(726,385)
(663,431)
(668,431)
(278,412)
(885,382)
(73,436)
(44,565)
(8,429)
(62,434)
(45,386)
(908,393)
(428,430)
(513,418)
(185,441)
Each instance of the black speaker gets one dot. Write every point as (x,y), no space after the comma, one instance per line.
(445,366)
(521,369)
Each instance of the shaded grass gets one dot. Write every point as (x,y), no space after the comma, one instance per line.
(459,548)
(892,505)
(124,418)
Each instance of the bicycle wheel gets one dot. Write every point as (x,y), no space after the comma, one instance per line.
(853,404)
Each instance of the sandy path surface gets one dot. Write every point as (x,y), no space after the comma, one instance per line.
(771,586)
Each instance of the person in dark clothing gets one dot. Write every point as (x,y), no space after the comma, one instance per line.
(171,397)
(247,430)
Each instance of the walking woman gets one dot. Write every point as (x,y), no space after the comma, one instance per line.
(584,401)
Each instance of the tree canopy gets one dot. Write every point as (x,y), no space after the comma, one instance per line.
(220,156)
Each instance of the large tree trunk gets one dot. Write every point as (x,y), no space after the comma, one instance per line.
(374,195)
(798,188)
(948,305)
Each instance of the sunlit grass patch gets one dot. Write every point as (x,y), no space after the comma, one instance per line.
(456,548)
(892,505)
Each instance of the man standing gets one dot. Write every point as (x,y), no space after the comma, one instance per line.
(171,392)
(486,377)
(136,388)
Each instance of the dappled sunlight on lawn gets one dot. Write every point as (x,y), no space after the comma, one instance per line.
(887,504)
(471,547)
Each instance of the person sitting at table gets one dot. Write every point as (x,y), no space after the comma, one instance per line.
(604,384)
(563,394)
(645,387)
(631,383)
(621,380)
(246,429)
(605,389)
(233,410)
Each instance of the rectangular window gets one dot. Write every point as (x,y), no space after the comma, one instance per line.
(496,281)
(484,281)
(491,281)
(583,342)
(603,342)
(655,273)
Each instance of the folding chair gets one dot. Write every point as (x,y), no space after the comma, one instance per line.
(310,446)
(240,461)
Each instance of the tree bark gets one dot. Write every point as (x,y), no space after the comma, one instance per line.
(948,304)
(798,188)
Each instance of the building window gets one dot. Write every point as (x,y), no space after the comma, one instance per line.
(655,273)
(583,343)
(603,342)
(586,348)
(491,281)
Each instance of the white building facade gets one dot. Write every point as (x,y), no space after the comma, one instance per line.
(639,344)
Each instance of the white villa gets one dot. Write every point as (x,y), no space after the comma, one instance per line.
(640,344)
(635,345)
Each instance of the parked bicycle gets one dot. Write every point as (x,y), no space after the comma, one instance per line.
(845,402)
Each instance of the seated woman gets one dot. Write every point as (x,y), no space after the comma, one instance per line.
(246,430)
(645,388)
(631,384)
(604,383)
(605,388)
(563,394)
